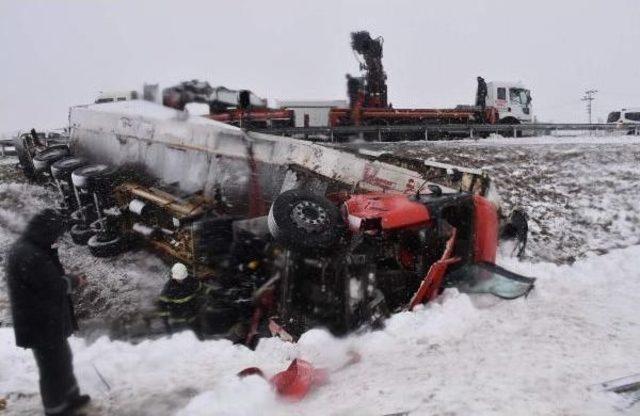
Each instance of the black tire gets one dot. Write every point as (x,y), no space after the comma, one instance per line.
(80,234)
(44,159)
(99,248)
(94,178)
(22,151)
(303,221)
(61,169)
(511,120)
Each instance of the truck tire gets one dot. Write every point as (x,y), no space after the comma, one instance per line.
(26,162)
(80,234)
(94,178)
(511,120)
(99,248)
(304,221)
(48,156)
(61,169)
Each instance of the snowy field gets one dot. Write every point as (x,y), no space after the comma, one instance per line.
(459,356)
(582,194)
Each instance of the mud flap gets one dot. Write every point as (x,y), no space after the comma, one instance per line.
(490,278)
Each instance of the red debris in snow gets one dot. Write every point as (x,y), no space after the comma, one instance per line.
(295,382)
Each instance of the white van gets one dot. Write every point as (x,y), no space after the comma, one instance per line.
(625,116)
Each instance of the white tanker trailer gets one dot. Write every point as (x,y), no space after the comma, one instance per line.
(202,155)
(162,169)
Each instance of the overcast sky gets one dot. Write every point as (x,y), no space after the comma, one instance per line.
(54,54)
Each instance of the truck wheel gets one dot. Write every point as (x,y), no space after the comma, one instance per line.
(26,163)
(109,248)
(93,178)
(80,234)
(45,158)
(61,169)
(511,120)
(302,220)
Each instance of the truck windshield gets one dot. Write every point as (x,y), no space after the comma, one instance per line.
(635,116)
(613,117)
(519,96)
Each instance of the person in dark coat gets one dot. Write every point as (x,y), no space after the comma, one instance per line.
(179,300)
(481,95)
(43,318)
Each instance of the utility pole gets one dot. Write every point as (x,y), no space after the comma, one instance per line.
(589,97)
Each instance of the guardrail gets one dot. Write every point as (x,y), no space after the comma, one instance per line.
(435,131)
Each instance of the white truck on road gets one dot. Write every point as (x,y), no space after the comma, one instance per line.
(512,100)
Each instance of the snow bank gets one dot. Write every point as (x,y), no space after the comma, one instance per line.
(461,355)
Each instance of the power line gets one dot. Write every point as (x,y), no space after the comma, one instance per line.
(589,97)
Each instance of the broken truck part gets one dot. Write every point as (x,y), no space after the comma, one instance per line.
(290,234)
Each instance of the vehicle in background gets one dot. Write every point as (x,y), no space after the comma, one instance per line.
(367,104)
(496,102)
(512,100)
(111,96)
(625,117)
(240,108)
(312,113)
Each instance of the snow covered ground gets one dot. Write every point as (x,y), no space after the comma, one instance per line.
(461,355)
(582,194)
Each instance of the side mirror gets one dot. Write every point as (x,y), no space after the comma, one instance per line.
(435,190)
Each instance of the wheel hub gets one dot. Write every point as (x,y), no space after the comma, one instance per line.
(309,216)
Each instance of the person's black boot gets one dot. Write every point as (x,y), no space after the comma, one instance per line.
(78,401)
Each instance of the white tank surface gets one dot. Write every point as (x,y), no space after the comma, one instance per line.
(200,154)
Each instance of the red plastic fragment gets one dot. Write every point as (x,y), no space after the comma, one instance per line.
(432,282)
(295,382)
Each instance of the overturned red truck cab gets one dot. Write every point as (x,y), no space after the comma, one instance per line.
(354,263)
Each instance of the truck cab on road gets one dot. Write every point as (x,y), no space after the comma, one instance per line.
(512,100)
